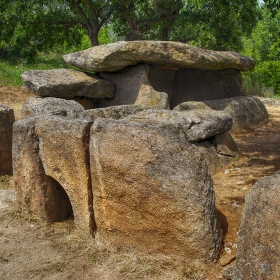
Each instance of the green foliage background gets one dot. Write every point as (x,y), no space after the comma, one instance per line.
(32,31)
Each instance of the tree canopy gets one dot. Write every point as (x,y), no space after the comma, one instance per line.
(28,26)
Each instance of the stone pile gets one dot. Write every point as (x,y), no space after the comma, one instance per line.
(138,177)
(132,171)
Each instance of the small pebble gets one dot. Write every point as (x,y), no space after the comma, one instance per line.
(228,250)
(226,171)
(234,205)
(244,189)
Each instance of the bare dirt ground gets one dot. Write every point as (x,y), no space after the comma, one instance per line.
(32,249)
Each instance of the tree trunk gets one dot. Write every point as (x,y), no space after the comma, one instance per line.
(132,35)
(165,33)
(93,35)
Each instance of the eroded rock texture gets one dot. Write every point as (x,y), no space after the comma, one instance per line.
(51,105)
(117,56)
(152,190)
(258,250)
(196,125)
(6,130)
(246,111)
(38,193)
(67,83)
(65,156)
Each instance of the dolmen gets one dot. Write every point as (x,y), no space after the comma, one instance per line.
(134,171)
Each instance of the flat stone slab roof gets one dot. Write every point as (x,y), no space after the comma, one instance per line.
(166,54)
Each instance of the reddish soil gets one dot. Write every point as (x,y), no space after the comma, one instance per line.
(32,249)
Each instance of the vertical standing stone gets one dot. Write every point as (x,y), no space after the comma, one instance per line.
(152,190)
(37,192)
(65,156)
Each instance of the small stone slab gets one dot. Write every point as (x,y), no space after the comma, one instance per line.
(196,125)
(67,83)
(51,105)
(119,55)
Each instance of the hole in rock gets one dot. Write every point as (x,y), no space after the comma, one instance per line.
(58,205)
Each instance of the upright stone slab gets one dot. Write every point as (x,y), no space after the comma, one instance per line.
(40,194)
(6,131)
(152,190)
(198,85)
(147,96)
(258,250)
(65,156)
(128,84)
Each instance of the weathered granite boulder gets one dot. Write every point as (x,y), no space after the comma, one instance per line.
(6,131)
(113,112)
(67,83)
(258,250)
(196,125)
(63,149)
(246,111)
(147,96)
(269,101)
(152,190)
(40,194)
(117,56)
(51,105)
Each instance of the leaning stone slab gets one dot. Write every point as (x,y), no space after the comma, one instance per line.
(225,145)
(6,131)
(152,190)
(117,56)
(37,192)
(63,149)
(258,250)
(67,83)
(51,105)
(246,111)
(196,125)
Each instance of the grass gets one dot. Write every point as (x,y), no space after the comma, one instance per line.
(10,70)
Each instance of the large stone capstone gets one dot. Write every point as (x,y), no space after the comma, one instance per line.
(117,56)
